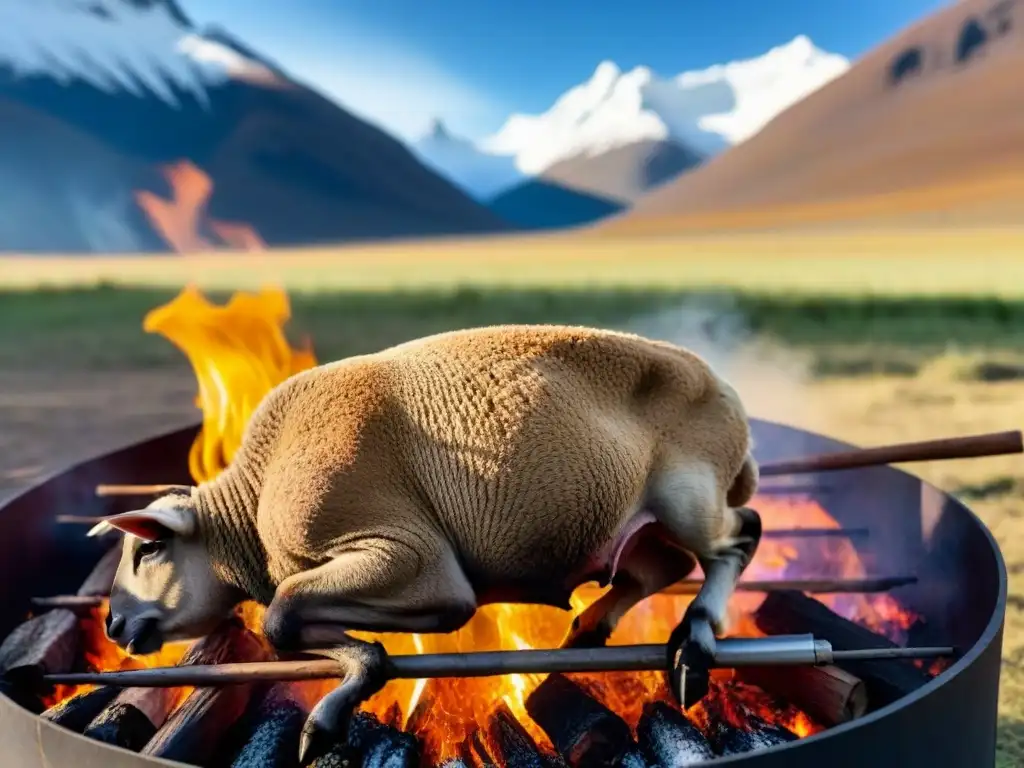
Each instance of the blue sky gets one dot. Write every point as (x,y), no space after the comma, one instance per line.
(472,62)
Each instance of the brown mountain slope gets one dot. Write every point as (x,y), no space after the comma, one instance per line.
(930,121)
(624,173)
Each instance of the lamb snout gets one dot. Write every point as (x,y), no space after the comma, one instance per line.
(137,631)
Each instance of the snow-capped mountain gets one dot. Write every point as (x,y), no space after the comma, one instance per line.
(134,46)
(481,174)
(704,111)
(117,89)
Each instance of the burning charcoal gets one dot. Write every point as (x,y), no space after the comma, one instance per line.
(828,694)
(668,739)
(729,740)
(381,745)
(195,728)
(476,752)
(794,612)
(372,744)
(339,756)
(585,732)
(272,736)
(44,644)
(77,712)
(513,746)
(133,718)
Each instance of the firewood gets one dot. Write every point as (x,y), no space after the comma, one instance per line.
(476,752)
(379,744)
(133,718)
(195,728)
(584,731)
(512,745)
(271,732)
(829,694)
(884,681)
(42,645)
(668,739)
(77,712)
(372,744)
(101,579)
(756,734)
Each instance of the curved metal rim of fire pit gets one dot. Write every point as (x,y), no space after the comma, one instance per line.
(980,645)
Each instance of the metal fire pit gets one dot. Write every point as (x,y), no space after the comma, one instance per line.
(915,528)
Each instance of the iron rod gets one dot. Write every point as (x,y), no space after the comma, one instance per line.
(817,586)
(623,658)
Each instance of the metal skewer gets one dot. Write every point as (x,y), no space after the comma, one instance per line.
(730,652)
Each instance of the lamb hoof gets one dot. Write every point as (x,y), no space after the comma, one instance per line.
(691,655)
(365,672)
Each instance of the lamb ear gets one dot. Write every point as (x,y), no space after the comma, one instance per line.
(149,524)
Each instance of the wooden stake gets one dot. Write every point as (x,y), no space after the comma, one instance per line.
(974,446)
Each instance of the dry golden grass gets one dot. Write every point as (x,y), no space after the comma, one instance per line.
(906,262)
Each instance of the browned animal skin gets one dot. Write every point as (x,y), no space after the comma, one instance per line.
(397,492)
(517,451)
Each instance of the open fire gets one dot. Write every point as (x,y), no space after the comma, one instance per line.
(239,352)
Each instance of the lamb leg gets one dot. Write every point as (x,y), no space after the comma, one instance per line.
(691,646)
(652,564)
(383,586)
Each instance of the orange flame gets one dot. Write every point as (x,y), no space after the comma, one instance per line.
(180,220)
(239,352)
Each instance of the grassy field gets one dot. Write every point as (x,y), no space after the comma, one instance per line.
(875,337)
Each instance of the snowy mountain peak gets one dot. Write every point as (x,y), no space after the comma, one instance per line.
(707,110)
(139,47)
(439,131)
(479,174)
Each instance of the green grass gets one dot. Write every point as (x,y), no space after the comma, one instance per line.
(102,326)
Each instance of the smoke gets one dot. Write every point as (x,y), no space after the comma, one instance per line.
(772,380)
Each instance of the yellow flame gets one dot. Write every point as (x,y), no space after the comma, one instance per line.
(239,352)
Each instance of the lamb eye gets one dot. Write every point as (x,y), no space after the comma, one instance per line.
(146,549)
(150,548)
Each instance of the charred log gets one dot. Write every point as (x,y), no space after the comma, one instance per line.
(195,728)
(668,739)
(133,718)
(372,744)
(584,731)
(77,712)
(42,645)
(271,731)
(829,694)
(884,681)
(380,745)
(476,752)
(727,739)
(512,745)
